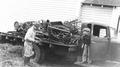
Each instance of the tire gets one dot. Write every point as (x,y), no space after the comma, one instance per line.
(39,54)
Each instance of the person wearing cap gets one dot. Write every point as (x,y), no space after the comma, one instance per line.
(45,25)
(17,26)
(28,44)
(85,46)
(86,39)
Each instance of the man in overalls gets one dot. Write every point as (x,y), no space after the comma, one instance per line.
(86,37)
(28,44)
(86,40)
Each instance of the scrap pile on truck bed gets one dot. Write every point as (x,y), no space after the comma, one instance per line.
(56,31)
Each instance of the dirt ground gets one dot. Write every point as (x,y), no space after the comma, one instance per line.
(10,56)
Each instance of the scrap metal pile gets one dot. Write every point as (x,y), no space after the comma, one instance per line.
(58,32)
(53,31)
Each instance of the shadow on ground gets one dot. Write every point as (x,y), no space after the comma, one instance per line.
(58,61)
(10,56)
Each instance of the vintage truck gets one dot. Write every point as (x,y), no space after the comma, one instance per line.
(59,39)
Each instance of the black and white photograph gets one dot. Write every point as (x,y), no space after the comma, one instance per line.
(59,33)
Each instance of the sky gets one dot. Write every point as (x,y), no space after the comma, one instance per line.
(34,10)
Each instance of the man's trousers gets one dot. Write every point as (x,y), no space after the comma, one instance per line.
(86,53)
(28,52)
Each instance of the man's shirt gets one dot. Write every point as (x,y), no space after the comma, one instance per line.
(86,38)
(30,35)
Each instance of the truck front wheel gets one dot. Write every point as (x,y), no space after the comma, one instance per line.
(39,54)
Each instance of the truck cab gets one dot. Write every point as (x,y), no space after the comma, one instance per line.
(104,43)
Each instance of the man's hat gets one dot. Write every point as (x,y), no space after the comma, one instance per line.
(86,29)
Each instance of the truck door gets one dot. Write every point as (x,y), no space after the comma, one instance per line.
(99,42)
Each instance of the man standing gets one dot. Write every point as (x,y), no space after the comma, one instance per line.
(86,40)
(28,44)
(86,37)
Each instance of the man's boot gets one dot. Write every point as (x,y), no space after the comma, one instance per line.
(26,61)
(78,61)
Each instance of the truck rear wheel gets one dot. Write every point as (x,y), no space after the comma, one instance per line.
(39,54)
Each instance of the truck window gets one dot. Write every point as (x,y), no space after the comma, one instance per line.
(112,32)
(99,31)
